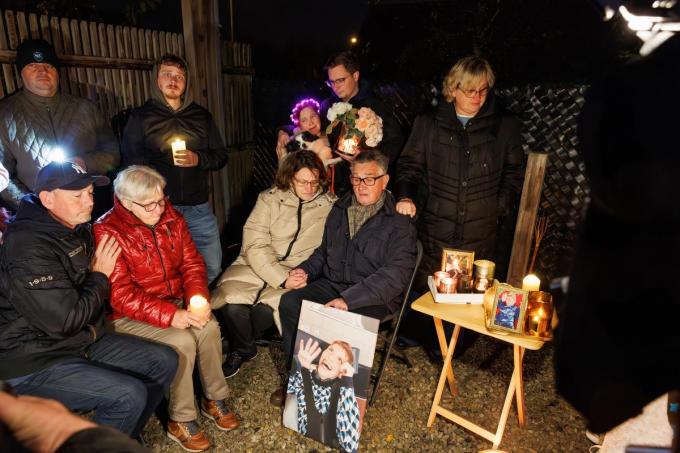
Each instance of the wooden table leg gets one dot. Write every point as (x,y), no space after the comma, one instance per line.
(443,375)
(441,336)
(506,410)
(519,383)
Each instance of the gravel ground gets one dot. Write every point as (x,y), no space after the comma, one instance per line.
(398,420)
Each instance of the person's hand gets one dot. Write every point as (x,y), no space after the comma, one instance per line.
(297,278)
(184,319)
(308,352)
(105,255)
(39,424)
(346,369)
(407,207)
(338,303)
(185,158)
(281,142)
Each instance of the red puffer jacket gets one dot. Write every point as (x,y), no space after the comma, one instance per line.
(156,266)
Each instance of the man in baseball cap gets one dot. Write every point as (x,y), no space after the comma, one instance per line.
(54,289)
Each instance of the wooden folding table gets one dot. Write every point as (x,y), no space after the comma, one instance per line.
(472,317)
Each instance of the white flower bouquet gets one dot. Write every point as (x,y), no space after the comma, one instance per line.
(358,125)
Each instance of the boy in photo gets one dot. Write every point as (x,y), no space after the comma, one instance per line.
(327,408)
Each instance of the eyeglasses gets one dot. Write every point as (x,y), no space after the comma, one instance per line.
(368,181)
(172,76)
(336,82)
(151,206)
(312,183)
(472,93)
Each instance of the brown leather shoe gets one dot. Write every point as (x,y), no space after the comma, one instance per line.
(188,435)
(219,413)
(278,397)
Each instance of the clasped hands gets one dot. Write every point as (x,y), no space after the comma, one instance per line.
(183,319)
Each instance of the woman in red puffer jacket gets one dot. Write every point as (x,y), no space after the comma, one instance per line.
(158,271)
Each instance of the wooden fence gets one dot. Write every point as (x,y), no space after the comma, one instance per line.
(108,64)
(237,83)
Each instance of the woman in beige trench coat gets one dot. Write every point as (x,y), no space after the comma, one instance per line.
(283,229)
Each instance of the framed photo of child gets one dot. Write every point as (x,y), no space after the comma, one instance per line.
(458,261)
(328,382)
(509,309)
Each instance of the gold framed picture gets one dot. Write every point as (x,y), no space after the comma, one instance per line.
(459,261)
(509,309)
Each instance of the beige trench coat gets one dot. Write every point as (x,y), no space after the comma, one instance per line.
(270,248)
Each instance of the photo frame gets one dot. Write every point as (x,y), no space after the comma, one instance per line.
(459,260)
(332,360)
(509,309)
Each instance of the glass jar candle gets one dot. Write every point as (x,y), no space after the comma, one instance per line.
(483,272)
(539,314)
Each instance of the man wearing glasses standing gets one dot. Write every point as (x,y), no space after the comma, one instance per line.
(344,80)
(468,155)
(366,256)
(170,119)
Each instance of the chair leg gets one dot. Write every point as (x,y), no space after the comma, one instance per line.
(400,355)
(385,358)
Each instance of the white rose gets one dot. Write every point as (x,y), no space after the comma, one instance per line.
(337,109)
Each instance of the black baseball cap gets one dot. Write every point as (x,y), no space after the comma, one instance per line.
(66,176)
(35,51)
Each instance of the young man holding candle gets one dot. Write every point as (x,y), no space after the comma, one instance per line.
(179,139)
(158,272)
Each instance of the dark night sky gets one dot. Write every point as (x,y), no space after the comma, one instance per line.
(528,40)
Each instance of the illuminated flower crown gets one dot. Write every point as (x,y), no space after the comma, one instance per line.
(295,113)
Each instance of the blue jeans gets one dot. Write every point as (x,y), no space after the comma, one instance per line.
(206,235)
(122,378)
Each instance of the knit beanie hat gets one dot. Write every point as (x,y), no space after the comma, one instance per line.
(36,51)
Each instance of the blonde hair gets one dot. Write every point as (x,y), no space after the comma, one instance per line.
(466,72)
(138,182)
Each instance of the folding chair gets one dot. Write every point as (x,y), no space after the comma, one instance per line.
(392,323)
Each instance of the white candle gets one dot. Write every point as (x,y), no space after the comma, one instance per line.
(178,145)
(199,305)
(348,146)
(531,283)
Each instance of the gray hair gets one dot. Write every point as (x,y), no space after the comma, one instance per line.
(138,182)
(372,155)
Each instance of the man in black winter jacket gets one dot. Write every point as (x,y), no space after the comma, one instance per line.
(171,116)
(53,292)
(366,256)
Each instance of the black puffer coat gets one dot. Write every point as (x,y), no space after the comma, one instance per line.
(51,305)
(471,176)
(374,267)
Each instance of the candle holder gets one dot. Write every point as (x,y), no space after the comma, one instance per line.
(447,285)
(483,272)
(439,276)
(539,315)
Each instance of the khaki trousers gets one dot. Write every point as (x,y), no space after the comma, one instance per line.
(191,344)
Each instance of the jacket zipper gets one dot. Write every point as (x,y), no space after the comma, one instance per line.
(165,274)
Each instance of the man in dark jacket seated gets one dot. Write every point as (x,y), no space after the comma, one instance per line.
(366,256)
(53,289)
